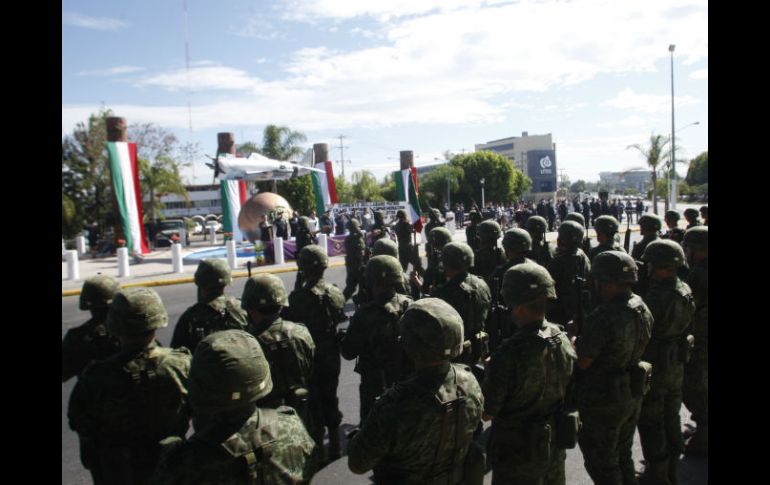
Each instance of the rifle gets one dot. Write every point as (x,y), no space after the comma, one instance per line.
(627,242)
(248,267)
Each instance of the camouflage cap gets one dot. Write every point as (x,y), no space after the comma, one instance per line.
(517,240)
(384,269)
(576,217)
(696,238)
(672,215)
(474,216)
(691,212)
(304,222)
(379,217)
(431,330)
(526,282)
(401,214)
(536,224)
(606,225)
(614,266)
(312,257)
(385,246)
(664,253)
(571,233)
(98,292)
(213,272)
(650,222)
(488,231)
(264,290)
(228,371)
(440,236)
(353,225)
(135,311)
(457,255)
(435,214)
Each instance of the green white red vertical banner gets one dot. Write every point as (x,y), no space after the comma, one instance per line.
(125,182)
(324,188)
(233,197)
(406,190)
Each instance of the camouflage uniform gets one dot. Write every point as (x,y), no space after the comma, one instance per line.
(524,388)
(472,230)
(434,221)
(489,255)
(649,225)
(676,234)
(235,441)
(470,296)
(421,430)
(404,232)
(569,264)
(303,237)
(123,406)
(355,247)
(615,335)
(606,225)
(696,373)
(372,335)
(578,217)
(691,216)
(671,303)
(379,225)
(381,247)
(319,306)
(90,341)
(434,273)
(541,252)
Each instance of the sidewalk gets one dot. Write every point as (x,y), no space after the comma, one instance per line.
(156,269)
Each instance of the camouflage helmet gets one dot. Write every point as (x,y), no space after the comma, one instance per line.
(517,240)
(353,225)
(439,236)
(431,330)
(135,311)
(401,214)
(577,217)
(650,222)
(526,282)
(693,213)
(213,272)
(474,216)
(228,371)
(614,266)
(672,215)
(312,257)
(379,217)
(606,225)
(488,231)
(457,255)
(304,222)
(385,269)
(98,292)
(435,214)
(696,238)
(536,224)
(263,290)
(664,253)
(385,246)
(571,233)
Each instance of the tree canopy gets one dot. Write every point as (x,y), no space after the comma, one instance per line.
(698,172)
(503,182)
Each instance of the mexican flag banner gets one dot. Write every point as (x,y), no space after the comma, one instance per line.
(125,182)
(324,188)
(233,197)
(406,190)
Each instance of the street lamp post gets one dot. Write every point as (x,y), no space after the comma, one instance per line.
(672,163)
(482,194)
(672,190)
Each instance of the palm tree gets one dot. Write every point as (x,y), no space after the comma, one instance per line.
(654,154)
(160,178)
(280,143)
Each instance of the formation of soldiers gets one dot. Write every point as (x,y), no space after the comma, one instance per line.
(577,345)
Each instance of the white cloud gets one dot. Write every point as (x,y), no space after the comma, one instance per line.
(700,74)
(648,103)
(96,23)
(111,71)
(257,27)
(630,121)
(203,78)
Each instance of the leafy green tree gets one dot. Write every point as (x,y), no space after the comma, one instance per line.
(365,187)
(388,188)
(299,193)
(577,187)
(433,186)
(698,172)
(503,182)
(654,153)
(344,190)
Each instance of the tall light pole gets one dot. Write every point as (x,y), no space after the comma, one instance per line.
(672,171)
(482,194)
(672,190)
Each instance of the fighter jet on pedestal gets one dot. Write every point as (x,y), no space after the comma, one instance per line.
(256,167)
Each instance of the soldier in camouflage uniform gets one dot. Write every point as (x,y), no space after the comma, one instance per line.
(304,237)
(470,296)
(674,232)
(434,221)
(123,406)
(214,311)
(90,341)
(489,255)
(610,376)
(649,226)
(319,306)
(379,228)
(434,274)
(606,232)
(235,440)
(288,346)
(421,430)
(691,216)
(382,247)
(578,217)
(472,230)
(704,213)
(525,385)
(568,268)
(372,335)
(696,373)
(355,249)
(671,303)
(404,232)
(541,251)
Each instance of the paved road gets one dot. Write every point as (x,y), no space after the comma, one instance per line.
(177,298)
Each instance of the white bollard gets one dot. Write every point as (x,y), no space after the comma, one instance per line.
(322,242)
(123,262)
(81,244)
(213,235)
(232,259)
(176,258)
(278,250)
(73,268)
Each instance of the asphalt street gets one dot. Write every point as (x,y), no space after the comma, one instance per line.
(177,298)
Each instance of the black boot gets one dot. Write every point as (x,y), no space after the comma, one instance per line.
(334,443)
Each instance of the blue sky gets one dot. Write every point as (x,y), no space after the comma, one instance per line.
(421,75)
